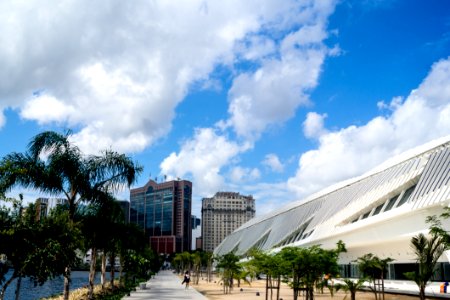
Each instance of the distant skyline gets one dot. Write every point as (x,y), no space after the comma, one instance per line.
(266,98)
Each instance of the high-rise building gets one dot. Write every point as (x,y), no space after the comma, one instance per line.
(125,206)
(44,205)
(163,211)
(222,214)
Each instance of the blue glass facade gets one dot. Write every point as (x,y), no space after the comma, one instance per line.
(163,211)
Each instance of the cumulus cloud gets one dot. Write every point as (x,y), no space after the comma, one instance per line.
(288,55)
(273,162)
(239,174)
(2,118)
(423,116)
(202,158)
(117,70)
(271,94)
(313,126)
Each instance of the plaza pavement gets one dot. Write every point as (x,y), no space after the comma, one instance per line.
(165,286)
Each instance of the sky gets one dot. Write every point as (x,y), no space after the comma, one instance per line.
(275,99)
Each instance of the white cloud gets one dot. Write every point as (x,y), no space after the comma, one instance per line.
(256,47)
(288,56)
(268,196)
(239,174)
(273,162)
(313,126)
(202,157)
(271,94)
(45,108)
(2,118)
(423,116)
(117,70)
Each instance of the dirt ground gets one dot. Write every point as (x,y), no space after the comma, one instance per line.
(214,291)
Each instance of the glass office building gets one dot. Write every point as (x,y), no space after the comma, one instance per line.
(163,211)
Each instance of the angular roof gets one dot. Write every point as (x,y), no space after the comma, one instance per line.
(410,181)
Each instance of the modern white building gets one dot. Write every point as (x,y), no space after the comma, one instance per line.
(377,213)
(222,214)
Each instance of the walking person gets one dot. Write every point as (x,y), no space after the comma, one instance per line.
(186,279)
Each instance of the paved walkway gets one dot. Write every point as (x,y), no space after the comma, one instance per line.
(165,286)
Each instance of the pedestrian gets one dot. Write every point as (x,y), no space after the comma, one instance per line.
(186,279)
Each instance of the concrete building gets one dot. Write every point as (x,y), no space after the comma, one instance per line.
(45,205)
(222,214)
(163,211)
(378,212)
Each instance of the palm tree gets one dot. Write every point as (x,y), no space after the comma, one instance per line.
(229,266)
(52,164)
(374,268)
(427,253)
(351,286)
(97,221)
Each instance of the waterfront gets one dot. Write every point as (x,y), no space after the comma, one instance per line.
(29,291)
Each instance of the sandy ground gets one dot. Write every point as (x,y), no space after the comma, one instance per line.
(214,291)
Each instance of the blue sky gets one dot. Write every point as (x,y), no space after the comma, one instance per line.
(268,98)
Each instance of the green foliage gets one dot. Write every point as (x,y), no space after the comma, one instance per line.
(138,265)
(55,166)
(427,251)
(306,266)
(228,266)
(38,250)
(374,268)
(351,286)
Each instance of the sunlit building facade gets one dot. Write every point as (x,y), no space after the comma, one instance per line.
(45,205)
(163,211)
(378,212)
(222,214)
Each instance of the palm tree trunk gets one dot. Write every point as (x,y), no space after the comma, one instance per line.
(120,268)
(66,283)
(92,273)
(278,287)
(103,277)
(422,292)
(19,283)
(112,264)
(267,287)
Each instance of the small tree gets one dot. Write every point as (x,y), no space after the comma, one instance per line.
(39,250)
(271,266)
(196,264)
(306,266)
(351,286)
(427,251)
(374,268)
(229,266)
(207,261)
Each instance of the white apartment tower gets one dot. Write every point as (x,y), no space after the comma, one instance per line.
(222,214)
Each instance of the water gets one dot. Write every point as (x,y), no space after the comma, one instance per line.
(55,286)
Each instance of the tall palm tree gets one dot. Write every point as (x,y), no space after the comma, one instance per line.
(427,251)
(97,221)
(53,165)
